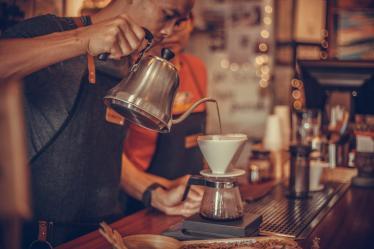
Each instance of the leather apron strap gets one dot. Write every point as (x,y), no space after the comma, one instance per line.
(81,22)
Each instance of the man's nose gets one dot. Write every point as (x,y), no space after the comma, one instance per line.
(168,29)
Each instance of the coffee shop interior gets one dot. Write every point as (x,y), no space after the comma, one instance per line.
(287,139)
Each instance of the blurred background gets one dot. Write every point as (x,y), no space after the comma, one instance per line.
(263,57)
(251,47)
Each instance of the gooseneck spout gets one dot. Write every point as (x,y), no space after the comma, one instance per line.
(192,107)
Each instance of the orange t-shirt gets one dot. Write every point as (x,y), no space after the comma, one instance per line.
(140,144)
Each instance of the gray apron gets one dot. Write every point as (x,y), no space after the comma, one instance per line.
(75,180)
(75,174)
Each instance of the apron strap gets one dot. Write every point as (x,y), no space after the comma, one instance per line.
(81,22)
(43,227)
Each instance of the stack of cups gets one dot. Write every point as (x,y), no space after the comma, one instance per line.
(273,142)
(277,137)
(283,113)
(273,136)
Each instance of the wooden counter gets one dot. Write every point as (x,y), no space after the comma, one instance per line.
(349,224)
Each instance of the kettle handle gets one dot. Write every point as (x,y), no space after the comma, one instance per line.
(190,109)
(193,180)
(148,36)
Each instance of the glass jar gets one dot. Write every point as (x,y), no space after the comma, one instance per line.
(260,166)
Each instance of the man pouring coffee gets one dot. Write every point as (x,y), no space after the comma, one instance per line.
(74,142)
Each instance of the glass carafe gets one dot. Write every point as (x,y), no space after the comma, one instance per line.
(221,200)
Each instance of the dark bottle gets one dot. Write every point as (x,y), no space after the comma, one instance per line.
(299,171)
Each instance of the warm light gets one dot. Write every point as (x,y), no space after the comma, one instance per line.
(265,58)
(259,60)
(323,55)
(265,34)
(265,76)
(296,83)
(225,63)
(324,44)
(324,33)
(296,94)
(264,83)
(267,20)
(268,9)
(297,104)
(265,69)
(234,67)
(263,47)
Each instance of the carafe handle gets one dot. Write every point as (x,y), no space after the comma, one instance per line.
(193,180)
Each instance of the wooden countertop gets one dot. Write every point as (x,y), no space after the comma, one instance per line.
(349,224)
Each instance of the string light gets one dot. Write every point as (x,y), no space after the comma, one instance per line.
(262,62)
(268,9)
(265,76)
(265,69)
(259,60)
(296,94)
(296,83)
(263,47)
(267,20)
(234,67)
(225,63)
(265,34)
(264,83)
(297,105)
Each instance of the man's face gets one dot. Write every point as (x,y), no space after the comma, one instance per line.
(179,39)
(160,16)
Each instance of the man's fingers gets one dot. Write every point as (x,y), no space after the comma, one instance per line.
(115,52)
(124,44)
(196,193)
(137,30)
(192,204)
(132,40)
(186,209)
(198,189)
(190,208)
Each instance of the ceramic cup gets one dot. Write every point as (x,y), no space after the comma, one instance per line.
(316,169)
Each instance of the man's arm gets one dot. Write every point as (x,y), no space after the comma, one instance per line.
(135,181)
(21,57)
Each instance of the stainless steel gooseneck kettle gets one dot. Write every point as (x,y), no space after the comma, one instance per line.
(146,96)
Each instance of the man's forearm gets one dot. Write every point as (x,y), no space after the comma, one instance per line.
(135,181)
(21,57)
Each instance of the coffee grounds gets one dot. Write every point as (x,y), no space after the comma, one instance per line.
(266,244)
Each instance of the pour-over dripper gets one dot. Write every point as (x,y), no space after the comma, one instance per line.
(220,150)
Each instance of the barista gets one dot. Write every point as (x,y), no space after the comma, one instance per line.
(74,151)
(167,159)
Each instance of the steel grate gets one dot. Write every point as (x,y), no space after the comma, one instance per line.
(293,217)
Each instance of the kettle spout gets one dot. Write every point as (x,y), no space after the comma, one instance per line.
(192,107)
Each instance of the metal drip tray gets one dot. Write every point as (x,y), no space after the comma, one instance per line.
(295,218)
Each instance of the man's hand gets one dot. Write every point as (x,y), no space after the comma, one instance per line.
(119,37)
(170,201)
